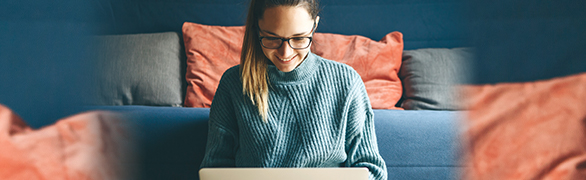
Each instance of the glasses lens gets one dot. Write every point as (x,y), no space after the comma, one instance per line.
(296,43)
(270,42)
(300,42)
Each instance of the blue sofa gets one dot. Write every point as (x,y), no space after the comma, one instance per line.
(416,144)
(47,83)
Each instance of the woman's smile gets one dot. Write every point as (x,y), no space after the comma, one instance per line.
(287,59)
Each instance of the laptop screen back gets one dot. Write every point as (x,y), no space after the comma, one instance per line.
(283,174)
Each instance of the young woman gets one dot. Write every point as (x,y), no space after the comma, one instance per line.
(286,107)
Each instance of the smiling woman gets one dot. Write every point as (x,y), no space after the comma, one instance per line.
(284,106)
(284,18)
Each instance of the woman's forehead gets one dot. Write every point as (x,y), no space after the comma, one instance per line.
(286,21)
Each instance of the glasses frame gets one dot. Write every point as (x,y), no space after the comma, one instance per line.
(287,39)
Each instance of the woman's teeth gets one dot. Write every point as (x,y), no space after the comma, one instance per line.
(288,59)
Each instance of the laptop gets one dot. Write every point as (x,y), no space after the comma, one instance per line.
(345,173)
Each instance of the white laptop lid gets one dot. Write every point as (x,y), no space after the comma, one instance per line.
(283,174)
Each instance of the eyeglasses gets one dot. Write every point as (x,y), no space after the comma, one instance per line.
(276,43)
(294,42)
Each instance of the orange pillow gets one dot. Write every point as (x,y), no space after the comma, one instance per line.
(531,130)
(377,63)
(92,145)
(211,50)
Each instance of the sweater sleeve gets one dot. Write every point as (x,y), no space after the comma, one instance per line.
(222,139)
(361,143)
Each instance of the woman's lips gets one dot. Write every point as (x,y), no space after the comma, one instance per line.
(287,60)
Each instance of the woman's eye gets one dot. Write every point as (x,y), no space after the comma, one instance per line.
(298,38)
(272,38)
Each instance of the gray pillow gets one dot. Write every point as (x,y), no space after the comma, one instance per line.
(430,78)
(139,69)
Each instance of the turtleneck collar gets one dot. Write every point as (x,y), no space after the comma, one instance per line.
(303,71)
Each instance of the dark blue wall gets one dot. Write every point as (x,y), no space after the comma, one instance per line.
(44,68)
(424,23)
(527,40)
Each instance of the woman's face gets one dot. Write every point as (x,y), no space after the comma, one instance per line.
(286,22)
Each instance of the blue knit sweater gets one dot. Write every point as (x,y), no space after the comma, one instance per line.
(319,116)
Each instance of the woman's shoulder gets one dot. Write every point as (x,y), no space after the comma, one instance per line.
(233,71)
(231,75)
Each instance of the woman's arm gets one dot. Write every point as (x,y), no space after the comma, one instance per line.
(223,131)
(361,144)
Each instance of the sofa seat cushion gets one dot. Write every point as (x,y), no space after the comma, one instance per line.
(414,144)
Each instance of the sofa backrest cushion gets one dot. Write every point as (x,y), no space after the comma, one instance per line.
(431,78)
(139,69)
(211,50)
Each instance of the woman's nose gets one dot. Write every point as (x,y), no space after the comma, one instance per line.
(285,50)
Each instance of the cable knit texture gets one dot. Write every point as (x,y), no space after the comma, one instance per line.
(319,116)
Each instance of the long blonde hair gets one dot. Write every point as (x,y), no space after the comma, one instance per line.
(253,62)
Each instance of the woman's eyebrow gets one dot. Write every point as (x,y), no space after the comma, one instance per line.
(274,34)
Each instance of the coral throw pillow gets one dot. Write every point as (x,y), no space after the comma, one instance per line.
(531,130)
(377,63)
(211,50)
(93,146)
